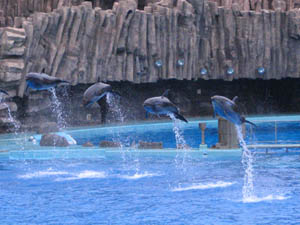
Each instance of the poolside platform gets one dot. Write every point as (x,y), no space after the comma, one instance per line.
(102,153)
(274,146)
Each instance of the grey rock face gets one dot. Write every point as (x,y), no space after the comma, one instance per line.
(11,53)
(53,140)
(126,43)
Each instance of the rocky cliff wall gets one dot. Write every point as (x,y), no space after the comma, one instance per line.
(167,40)
(145,42)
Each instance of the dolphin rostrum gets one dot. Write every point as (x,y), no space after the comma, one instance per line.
(228,110)
(96,92)
(161,105)
(42,81)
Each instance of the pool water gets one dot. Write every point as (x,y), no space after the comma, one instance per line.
(147,188)
(128,186)
(287,131)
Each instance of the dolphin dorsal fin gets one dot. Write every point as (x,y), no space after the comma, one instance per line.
(165,93)
(235,98)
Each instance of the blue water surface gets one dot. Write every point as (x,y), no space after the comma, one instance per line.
(128,186)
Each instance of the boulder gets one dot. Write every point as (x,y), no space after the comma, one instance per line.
(88,144)
(53,140)
(109,144)
(150,145)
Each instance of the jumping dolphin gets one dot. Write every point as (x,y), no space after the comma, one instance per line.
(227,109)
(96,92)
(161,105)
(42,81)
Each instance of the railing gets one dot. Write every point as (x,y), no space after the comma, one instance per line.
(276,143)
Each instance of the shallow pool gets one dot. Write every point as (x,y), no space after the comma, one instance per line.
(128,186)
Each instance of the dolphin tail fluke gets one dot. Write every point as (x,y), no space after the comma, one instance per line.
(247,121)
(180,117)
(253,124)
(4,92)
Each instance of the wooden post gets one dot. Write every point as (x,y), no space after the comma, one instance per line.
(202,126)
(227,134)
(203,146)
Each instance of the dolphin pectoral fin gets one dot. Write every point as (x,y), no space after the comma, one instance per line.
(4,92)
(253,124)
(146,115)
(180,117)
(165,94)
(214,114)
(26,92)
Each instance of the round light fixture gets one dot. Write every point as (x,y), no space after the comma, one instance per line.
(261,70)
(180,62)
(203,71)
(230,71)
(158,63)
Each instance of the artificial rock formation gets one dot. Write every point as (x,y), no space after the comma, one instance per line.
(54,140)
(166,40)
(143,41)
(84,44)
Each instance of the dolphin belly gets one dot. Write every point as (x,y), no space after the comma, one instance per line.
(219,111)
(229,115)
(234,118)
(96,99)
(38,86)
(150,109)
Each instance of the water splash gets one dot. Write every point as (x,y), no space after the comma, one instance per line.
(21,142)
(118,116)
(57,109)
(114,106)
(200,186)
(247,161)
(15,124)
(137,176)
(130,156)
(255,199)
(182,156)
(180,142)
